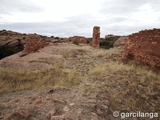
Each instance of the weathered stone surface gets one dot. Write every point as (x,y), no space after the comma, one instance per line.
(144,47)
(8,32)
(23,114)
(12,42)
(57,118)
(79,39)
(11,38)
(96,37)
(19,115)
(33,43)
(120,42)
(51,113)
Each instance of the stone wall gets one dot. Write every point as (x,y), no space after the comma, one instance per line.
(79,39)
(96,37)
(13,42)
(33,43)
(144,47)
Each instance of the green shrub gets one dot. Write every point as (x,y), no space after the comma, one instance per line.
(57,38)
(108,42)
(8,50)
(75,42)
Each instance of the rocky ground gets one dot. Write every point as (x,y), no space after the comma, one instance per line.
(106,86)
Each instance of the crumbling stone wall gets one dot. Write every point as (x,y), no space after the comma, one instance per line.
(79,39)
(33,43)
(96,37)
(144,47)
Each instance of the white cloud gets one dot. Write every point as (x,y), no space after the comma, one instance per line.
(18,11)
(77,17)
(146,14)
(11,6)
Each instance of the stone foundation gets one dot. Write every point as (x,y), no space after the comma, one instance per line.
(79,39)
(33,43)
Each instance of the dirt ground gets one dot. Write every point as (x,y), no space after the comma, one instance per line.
(106,86)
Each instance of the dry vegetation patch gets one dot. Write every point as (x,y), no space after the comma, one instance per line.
(20,79)
(128,87)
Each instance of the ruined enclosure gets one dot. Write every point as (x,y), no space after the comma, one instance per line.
(33,43)
(96,37)
(144,47)
(79,39)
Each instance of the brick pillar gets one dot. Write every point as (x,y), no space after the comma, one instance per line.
(96,36)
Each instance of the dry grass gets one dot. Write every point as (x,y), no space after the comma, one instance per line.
(129,85)
(98,70)
(89,89)
(79,51)
(115,66)
(99,53)
(20,79)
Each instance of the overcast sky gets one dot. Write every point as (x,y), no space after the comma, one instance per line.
(66,18)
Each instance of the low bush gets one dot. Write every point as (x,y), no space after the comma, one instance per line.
(108,42)
(8,50)
(75,42)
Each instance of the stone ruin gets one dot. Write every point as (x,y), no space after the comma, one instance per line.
(143,47)
(96,37)
(33,43)
(79,39)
